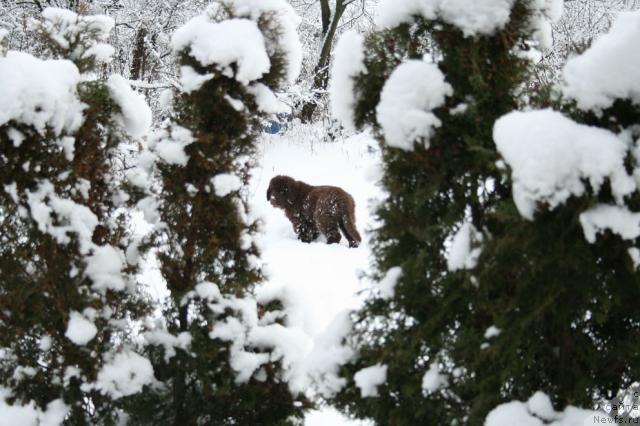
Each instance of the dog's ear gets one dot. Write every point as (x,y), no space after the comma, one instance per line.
(269,193)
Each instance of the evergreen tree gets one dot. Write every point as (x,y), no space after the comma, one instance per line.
(212,369)
(476,305)
(68,297)
(559,283)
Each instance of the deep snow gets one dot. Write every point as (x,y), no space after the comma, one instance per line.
(323,280)
(320,281)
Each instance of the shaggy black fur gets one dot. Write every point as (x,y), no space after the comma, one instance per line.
(315,209)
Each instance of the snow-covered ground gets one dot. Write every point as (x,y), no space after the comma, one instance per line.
(322,280)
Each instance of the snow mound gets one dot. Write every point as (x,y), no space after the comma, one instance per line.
(168,144)
(222,39)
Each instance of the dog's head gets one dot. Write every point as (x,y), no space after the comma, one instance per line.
(281,192)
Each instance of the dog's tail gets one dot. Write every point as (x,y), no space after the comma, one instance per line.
(348,227)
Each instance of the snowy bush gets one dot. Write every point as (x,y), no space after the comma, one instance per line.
(68,297)
(216,342)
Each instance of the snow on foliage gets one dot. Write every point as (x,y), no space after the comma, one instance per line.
(329,353)
(213,40)
(191,80)
(433,380)
(135,113)
(368,379)
(40,93)
(266,100)
(86,32)
(168,144)
(414,89)
(538,411)
(168,341)
(609,69)
(472,17)
(71,217)
(388,283)
(617,219)
(236,329)
(257,340)
(28,414)
(465,248)
(348,62)
(79,329)
(319,309)
(285,22)
(126,374)
(233,41)
(551,156)
(492,331)
(225,183)
(104,267)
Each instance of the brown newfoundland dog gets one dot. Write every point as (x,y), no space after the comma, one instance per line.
(315,209)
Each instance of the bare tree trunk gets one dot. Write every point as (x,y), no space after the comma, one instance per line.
(139,55)
(325,13)
(321,70)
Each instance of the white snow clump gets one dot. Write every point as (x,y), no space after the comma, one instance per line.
(191,80)
(126,374)
(40,93)
(550,156)
(545,13)
(368,379)
(388,283)
(472,17)
(135,114)
(238,41)
(169,143)
(465,249)
(285,20)
(618,219)
(29,414)
(414,89)
(225,183)
(609,69)
(79,329)
(538,411)
(104,267)
(433,380)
